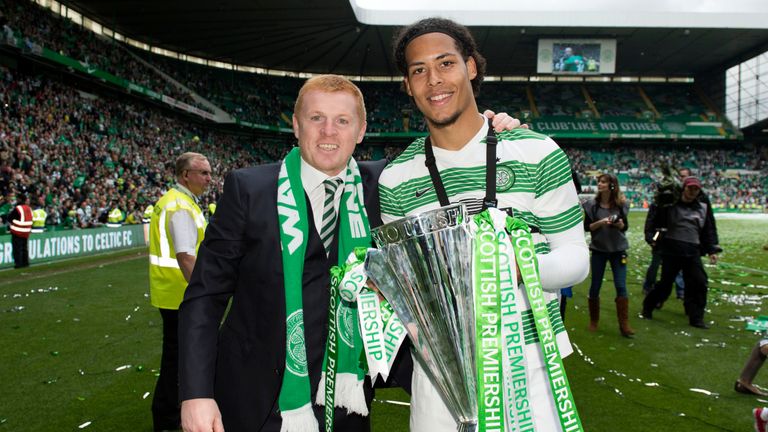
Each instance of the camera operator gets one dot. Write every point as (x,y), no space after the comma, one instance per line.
(605,217)
(684,233)
(650,232)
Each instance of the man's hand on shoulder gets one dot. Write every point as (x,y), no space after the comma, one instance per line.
(503,121)
(201,415)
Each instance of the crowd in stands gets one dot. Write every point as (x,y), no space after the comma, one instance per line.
(733,178)
(268,100)
(254,98)
(37,25)
(78,155)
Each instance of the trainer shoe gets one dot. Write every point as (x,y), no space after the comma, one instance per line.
(760,424)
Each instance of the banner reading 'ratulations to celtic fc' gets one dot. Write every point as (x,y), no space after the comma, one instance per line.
(56,245)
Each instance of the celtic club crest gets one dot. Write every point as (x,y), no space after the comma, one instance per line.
(505,178)
(346,317)
(296,352)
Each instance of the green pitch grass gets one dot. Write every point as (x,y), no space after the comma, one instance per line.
(81,347)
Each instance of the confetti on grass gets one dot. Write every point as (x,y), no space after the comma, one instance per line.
(705,392)
(393,402)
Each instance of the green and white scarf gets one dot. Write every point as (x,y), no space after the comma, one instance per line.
(295,399)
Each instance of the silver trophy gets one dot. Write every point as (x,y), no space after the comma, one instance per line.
(424,268)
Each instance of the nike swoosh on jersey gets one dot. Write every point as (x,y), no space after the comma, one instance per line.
(421,192)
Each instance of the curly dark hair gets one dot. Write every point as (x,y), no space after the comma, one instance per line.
(463,39)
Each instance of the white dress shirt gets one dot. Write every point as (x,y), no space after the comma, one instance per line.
(183,228)
(312,179)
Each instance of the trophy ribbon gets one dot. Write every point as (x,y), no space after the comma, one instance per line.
(501,245)
(517,406)
(522,242)
(488,347)
(381,329)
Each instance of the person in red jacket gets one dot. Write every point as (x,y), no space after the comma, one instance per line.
(21,225)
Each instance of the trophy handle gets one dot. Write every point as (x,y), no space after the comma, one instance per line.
(381,273)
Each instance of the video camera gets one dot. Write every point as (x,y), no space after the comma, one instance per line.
(668,189)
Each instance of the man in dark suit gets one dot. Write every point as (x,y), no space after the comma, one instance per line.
(234,374)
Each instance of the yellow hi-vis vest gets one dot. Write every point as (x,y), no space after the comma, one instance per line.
(148,213)
(38,220)
(166,282)
(114,218)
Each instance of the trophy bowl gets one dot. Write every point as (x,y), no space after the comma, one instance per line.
(423,266)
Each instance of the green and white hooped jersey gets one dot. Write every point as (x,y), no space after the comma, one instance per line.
(533,182)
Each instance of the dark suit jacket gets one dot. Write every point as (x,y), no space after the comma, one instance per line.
(241,364)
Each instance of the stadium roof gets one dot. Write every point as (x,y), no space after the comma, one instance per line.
(325,36)
(749,14)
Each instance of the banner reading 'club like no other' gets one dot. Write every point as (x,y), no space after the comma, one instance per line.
(56,245)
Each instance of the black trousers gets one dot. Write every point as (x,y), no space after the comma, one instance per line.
(695,285)
(166,410)
(20,251)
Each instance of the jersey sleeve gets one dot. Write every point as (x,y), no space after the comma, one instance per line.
(557,208)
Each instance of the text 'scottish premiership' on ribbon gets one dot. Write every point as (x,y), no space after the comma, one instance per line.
(501,245)
(380,329)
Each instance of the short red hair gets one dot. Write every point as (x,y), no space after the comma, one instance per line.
(331,84)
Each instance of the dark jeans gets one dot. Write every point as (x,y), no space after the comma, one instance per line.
(20,247)
(695,285)
(653,270)
(166,411)
(619,269)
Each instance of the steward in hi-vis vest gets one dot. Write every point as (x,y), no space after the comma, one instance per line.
(38,220)
(21,227)
(166,281)
(176,229)
(115,218)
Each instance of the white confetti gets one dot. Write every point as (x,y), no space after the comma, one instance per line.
(393,402)
(84,425)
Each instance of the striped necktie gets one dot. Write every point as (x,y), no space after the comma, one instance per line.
(329,213)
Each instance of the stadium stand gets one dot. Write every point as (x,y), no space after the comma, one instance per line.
(38,29)
(562,110)
(81,152)
(735,179)
(79,149)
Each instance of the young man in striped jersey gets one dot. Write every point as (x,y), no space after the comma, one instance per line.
(442,73)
